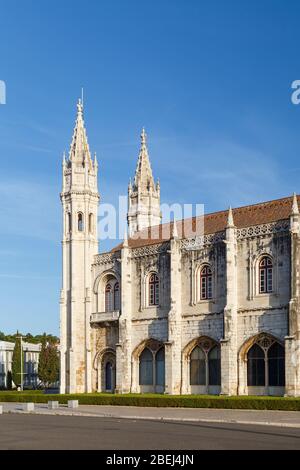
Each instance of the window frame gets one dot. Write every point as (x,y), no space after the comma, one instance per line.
(206,282)
(153,287)
(265,275)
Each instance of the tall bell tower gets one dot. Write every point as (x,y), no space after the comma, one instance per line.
(80,199)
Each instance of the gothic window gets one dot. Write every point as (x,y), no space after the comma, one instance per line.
(205,366)
(117,296)
(146,367)
(214,366)
(152,367)
(91,223)
(198,367)
(80,222)
(276,365)
(112,296)
(265,364)
(265,275)
(153,289)
(206,283)
(256,366)
(109,307)
(160,367)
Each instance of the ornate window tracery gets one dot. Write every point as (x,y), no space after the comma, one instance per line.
(265,363)
(205,363)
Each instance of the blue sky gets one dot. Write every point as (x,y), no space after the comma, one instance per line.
(210,81)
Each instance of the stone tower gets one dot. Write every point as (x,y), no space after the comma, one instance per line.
(143,194)
(80,200)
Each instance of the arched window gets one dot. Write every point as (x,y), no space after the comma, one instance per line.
(205,283)
(80,222)
(205,365)
(153,289)
(117,296)
(276,365)
(265,275)
(152,367)
(109,307)
(146,367)
(160,367)
(197,367)
(214,366)
(256,366)
(91,223)
(265,364)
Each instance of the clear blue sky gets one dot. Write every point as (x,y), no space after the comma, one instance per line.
(210,81)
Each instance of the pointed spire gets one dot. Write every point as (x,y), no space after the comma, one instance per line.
(64,162)
(174,233)
(125,242)
(79,149)
(95,160)
(230,222)
(143,179)
(295,207)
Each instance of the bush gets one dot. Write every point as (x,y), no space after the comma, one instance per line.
(183,401)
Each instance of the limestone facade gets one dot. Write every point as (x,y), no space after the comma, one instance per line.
(212,312)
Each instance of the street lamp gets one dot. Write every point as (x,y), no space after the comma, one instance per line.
(21,352)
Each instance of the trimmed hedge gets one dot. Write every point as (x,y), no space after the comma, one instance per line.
(179,401)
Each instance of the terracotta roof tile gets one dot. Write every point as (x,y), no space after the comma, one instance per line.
(262,213)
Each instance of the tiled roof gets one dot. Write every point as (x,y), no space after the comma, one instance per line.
(256,214)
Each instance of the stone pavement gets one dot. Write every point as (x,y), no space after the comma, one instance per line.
(261,417)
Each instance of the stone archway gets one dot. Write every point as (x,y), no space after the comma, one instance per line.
(106,371)
(206,345)
(260,352)
(156,361)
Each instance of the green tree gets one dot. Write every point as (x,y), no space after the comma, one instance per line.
(9,380)
(17,360)
(48,371)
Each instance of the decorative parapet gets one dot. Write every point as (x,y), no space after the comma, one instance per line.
(201,241)
(106,258)
(264,229)
(150,250)
(197,243)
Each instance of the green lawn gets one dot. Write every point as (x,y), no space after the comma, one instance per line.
(181,401)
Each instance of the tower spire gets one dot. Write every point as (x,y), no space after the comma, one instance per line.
(230,222)
(143,194)
(295,208)
(79,149)
(143,179)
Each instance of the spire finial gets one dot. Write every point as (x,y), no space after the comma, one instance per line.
(79,106)
(143,137)
(295,208)
(125,242)
(174,233)
(230,222)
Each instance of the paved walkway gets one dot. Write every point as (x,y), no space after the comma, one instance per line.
(261,417)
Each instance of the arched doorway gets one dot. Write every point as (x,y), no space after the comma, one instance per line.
(107,371)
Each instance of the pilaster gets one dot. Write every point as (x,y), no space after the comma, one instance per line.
(229,353)
(173,345)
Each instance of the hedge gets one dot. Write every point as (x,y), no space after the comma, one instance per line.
(179,401)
